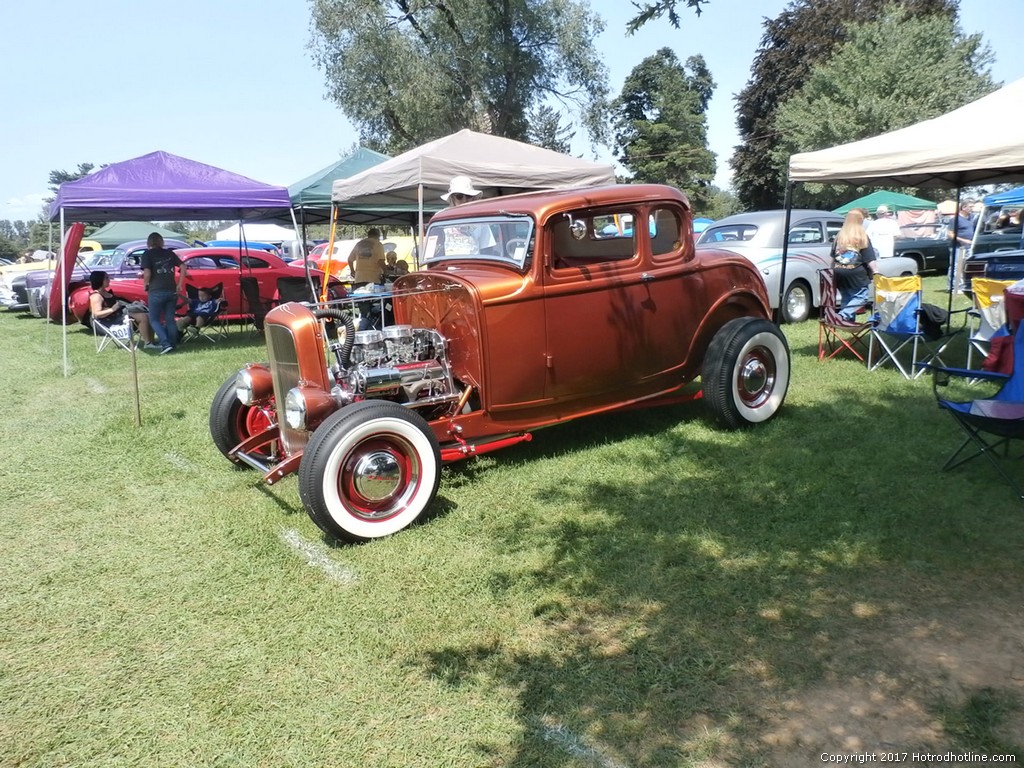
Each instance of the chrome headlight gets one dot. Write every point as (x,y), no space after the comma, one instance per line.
(295,409)
(244,388)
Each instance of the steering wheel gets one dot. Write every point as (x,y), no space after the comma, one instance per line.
(514,245)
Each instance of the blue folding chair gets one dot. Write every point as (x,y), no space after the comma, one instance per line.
(897,325)
(993,423)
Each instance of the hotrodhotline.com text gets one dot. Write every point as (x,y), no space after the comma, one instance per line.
(928,758)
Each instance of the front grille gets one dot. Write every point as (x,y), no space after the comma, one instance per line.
(284,365)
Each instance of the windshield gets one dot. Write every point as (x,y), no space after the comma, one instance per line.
(506,239)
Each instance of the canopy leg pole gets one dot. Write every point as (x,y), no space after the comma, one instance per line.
(63,300)
(953,262)
(302,251)
(330,251)
(780,314)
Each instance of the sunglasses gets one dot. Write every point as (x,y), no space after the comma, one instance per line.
(458,198)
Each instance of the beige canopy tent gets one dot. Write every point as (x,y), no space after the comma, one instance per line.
(402,188)
(979,143)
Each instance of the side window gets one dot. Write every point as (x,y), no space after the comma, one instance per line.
(806,233)
(586,238)
(833,228)
(665,229)
(201,262)
(253,262)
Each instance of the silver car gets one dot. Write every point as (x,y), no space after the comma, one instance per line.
(758,236)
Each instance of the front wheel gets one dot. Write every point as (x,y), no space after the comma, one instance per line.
(796,305)
(369,470)
(231,422)
(746,372)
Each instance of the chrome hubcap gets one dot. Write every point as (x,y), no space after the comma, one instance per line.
(377,476)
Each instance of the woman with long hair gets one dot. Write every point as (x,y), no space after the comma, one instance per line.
(109,310)
(853,261)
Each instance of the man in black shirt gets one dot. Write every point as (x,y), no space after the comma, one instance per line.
(158,278)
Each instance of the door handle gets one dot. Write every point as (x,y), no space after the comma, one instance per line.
(646,277)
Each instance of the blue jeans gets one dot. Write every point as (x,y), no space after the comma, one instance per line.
(161,317)
(954,275)
(853,302)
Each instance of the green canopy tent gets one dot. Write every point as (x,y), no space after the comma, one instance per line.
(894,200)
(311,197)
(117,232)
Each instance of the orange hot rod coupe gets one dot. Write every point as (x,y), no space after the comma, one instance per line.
(527,311)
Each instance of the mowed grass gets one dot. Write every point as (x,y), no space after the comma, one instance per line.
(640,589)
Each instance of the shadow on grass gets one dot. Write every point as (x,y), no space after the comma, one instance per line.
(686,603)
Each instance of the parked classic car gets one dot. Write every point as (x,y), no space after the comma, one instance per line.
(12,281)
(123,261)
(999,265)
(758,236)
(997,252)
(523,315)
(206,268)
(927,244)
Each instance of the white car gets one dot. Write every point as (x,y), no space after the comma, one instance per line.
(758,236)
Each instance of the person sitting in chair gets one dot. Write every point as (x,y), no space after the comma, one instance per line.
(853,260)
(200,311)
(109,310)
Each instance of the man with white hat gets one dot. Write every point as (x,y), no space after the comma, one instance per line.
(883,232)
(460,190)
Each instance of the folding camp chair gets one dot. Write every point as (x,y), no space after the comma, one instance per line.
(120,334)
(834,332)
(213,328)
(897,326)
(297,289)
(991,424)
(256,307)
(988,315)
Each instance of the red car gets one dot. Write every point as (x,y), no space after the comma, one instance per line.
(530,310)
(208,267)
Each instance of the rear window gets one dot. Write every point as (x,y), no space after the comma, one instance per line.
(728,233)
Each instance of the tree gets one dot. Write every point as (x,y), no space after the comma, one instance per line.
(659,8)
(721,203)
(661,127)
(802,36)
(407,72)
(59,177)
(546,130)
(890,73)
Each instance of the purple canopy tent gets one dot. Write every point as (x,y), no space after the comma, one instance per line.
(161,186)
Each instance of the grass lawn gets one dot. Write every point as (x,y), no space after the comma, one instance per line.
(633,590)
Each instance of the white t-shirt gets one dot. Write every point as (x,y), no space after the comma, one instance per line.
(883,233)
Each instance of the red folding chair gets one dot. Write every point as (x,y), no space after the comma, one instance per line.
(836,334)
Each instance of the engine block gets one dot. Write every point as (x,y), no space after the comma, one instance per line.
(401,363)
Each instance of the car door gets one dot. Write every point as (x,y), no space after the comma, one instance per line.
(810,250)
(608,309)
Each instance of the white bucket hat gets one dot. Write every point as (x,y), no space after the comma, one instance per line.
(460,185)
(882,208)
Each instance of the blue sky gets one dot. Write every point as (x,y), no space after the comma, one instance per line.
(231,83)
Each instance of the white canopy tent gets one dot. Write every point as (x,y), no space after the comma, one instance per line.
(258,233)
(402,188)
(978,143)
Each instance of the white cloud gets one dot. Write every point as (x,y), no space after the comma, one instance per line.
(27,207)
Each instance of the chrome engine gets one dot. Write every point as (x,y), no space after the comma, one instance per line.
(401,363)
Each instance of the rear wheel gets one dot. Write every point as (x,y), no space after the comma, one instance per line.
(746,372)
(796,305)
(369,470)
(231,422)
